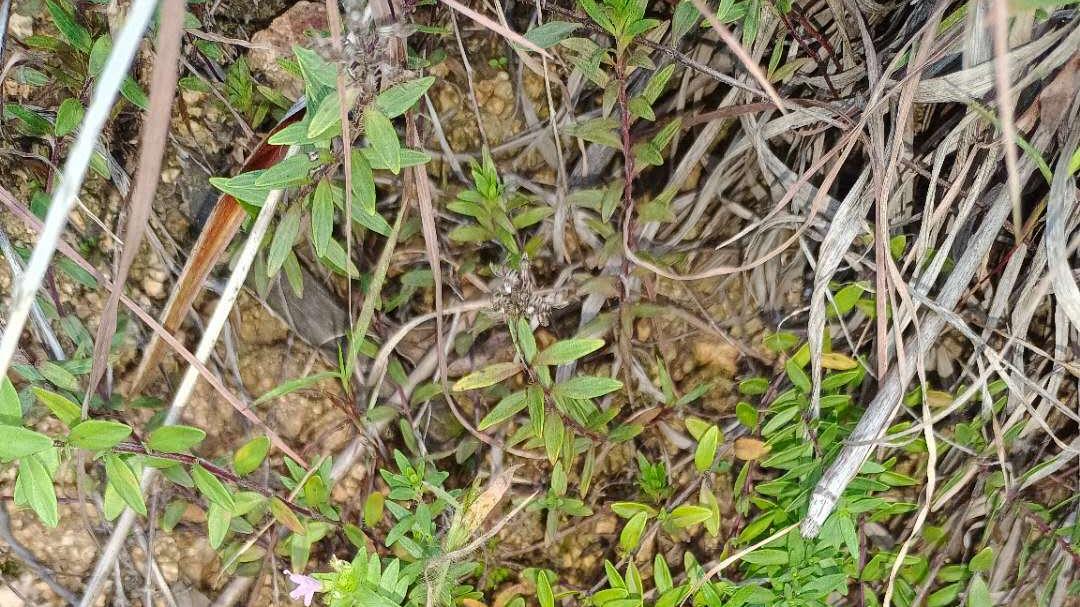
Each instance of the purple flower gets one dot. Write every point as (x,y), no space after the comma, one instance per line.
(306,587)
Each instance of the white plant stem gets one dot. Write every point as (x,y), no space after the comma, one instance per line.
(187,385)
(63,199)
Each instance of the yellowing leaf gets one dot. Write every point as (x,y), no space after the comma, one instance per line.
(837,362)
(284,515)
(938,398)
(747,448)
(488,376)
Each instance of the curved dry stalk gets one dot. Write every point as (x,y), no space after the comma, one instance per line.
(382,360)
(1061,203)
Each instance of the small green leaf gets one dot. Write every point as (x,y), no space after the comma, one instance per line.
(34,487)
(59,376)
(897,245)
(383,139)
(629,509)
(212,488)
(596,130)
(124,482)
(551,33)
(534,396)
(640,108)
(322,217)
(326,122)
(74,33)
(488,376)
(754,386)
(397,99)
(98,434)
(175,439)
(112,504)
(978,594)
(294,275)
(10,405)
(290,171)
(747,415)
(567,350)
(337,260)
(251,455)
(696,426)
(798,377)
(688,515)
(526,340)
(31,122)
(554,432)
(284,515)
(16,442)
(65,410)
(504,410)
(284,238)
(133,92)
(585,386)
(767,556)
(315,491)
(217,524)
(531,216)
(685,18)
(780,341)
(706,449)
(363,183)
(630,535)
(982,561)
(846,298)
(407,157)
(68,116)
(544,595)
(373,509)
(320,76)
(242,187)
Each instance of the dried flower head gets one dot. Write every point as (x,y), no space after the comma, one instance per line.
(517,295)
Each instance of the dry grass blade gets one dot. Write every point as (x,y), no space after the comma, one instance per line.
(843,229)
(741,53)
(422,189)
(367,310)
(71,179)
(162,89)
(1000,28)
(1062,202)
